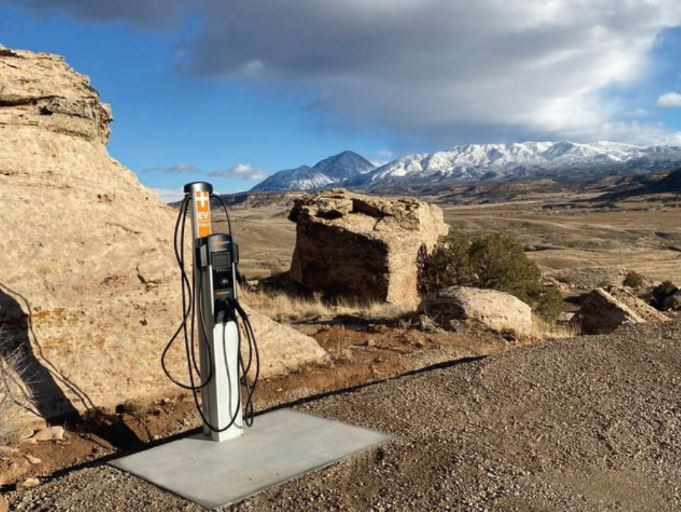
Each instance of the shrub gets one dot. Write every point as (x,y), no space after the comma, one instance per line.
(661,292)
(449,265)
(494,261)
(500,263)
(548,303)
(633,279)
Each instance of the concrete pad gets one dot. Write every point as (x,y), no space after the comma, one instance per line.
(281,445)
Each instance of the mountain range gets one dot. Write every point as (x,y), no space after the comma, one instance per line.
(561,161)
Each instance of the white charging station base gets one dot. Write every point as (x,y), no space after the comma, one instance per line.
(280,446)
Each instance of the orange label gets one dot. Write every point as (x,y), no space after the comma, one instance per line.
(202,209)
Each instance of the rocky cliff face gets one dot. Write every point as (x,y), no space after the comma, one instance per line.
(87,274)
(360,246)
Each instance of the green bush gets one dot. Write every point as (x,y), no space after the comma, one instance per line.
(500,263)
(448,265)
(495,261)
(661,292)
(548,303)
(633,279)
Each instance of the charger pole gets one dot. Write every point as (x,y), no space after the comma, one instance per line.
(220,398)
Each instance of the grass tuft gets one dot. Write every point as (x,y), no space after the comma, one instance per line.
(283,307)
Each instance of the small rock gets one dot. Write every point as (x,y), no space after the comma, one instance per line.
(49,434)
(369,343)
(33,460)
(28,483)
(457,326)
(58,433)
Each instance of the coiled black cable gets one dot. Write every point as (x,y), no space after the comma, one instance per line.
(187,308)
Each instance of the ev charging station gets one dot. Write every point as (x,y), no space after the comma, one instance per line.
(237,454)
(214,267)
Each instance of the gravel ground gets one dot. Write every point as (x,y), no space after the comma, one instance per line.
(591,423)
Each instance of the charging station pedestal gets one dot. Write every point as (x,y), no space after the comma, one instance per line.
(223,467)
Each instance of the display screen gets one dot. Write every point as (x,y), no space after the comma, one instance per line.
(221,259)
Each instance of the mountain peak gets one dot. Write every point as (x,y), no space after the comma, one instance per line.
(331,171)
(346,164)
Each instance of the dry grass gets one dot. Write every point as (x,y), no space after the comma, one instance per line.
(549,330)
(15,397)
(286,308)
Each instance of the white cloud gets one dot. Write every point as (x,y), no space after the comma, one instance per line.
(169,195)
(243,171)
(670,99)
(175,169)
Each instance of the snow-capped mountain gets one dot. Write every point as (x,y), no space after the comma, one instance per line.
(471,163)
(335,170)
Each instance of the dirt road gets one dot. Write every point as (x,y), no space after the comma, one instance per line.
(591,423)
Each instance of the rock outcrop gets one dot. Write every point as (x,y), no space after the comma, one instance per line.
(360,246)
(498,311)
(604,310)
(88,279)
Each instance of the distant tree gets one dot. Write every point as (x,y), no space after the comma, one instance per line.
(661,292)
(633,280)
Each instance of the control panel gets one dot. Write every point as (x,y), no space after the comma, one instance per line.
(223,257)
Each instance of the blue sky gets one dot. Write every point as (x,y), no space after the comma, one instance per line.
(231,91)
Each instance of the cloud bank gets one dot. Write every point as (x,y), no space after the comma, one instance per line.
(483,69)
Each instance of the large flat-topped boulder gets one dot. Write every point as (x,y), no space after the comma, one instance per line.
(361,246)
(86,255)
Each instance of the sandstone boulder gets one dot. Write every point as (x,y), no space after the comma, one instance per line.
(88,280)
(603,310)
(495,310)
(360,246)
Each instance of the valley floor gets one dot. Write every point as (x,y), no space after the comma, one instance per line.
(568,236)
(588,423)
